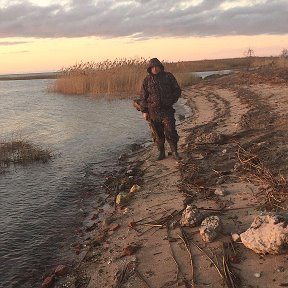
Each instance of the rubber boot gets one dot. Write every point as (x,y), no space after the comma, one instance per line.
(161,154)
(175,152)
(176,155)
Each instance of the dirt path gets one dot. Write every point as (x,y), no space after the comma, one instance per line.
(148,248)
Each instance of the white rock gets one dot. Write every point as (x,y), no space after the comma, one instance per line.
(235,237)
(257,275)
(220,192)
(135,188)
(280,269)
(129,172)
(191,217)
(210,228)
(267,234)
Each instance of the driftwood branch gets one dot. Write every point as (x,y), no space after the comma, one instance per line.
(186,243)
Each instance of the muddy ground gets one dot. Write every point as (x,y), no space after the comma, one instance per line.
(234,140)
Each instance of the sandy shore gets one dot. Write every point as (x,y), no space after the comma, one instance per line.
(237,119)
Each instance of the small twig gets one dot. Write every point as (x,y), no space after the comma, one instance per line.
(142,278)
(143,170)
(164,175)
(152,225)
(211,260)
(121,277)
(175,261)
(184,239)
(150,216)
(280,207)
(225,209)
(227,269)
(232,245)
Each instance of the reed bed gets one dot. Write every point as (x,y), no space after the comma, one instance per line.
(122,78)
(21,152)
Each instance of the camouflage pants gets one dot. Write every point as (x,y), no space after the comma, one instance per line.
(163,127)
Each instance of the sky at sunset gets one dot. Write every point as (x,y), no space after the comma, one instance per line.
(45,35)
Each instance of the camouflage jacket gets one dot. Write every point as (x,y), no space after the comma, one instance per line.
(160,91)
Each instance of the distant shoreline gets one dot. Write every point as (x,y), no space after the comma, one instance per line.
(29,76)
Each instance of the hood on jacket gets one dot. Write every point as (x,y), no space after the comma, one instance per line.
(154,62)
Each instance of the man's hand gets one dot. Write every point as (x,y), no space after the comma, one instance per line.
(145,116)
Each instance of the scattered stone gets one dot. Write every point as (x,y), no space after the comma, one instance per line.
(132,224)
(77,245)
(106,246)
(134,147)
(210,138)
(235,237)
(174,224)
(122,198)
(100,237)
(257,275)
(130,172)
(125,210)
(90,226)
(94,216)
(130,250)
(220,192)
(87,237)
(237,166)
(267,234)
(234,259)
(210,228)
(107,221)
(122,157)
(191,217)
(61,270)
(48,282)
(135,188)
(280,269)
(122,185)
(114,227)
(220,180)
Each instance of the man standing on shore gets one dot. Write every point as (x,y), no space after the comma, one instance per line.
(159,92)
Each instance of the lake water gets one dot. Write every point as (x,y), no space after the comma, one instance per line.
(41,204)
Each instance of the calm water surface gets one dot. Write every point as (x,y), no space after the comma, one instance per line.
(41,204)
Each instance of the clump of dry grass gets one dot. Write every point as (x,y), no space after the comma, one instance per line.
(21,152)
(274,62)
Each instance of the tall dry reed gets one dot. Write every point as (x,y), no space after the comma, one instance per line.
(123,77)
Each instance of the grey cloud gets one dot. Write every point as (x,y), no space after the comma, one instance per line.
(7,43)
(142,19)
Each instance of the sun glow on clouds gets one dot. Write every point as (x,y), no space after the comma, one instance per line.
(240,3)
(41,35)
